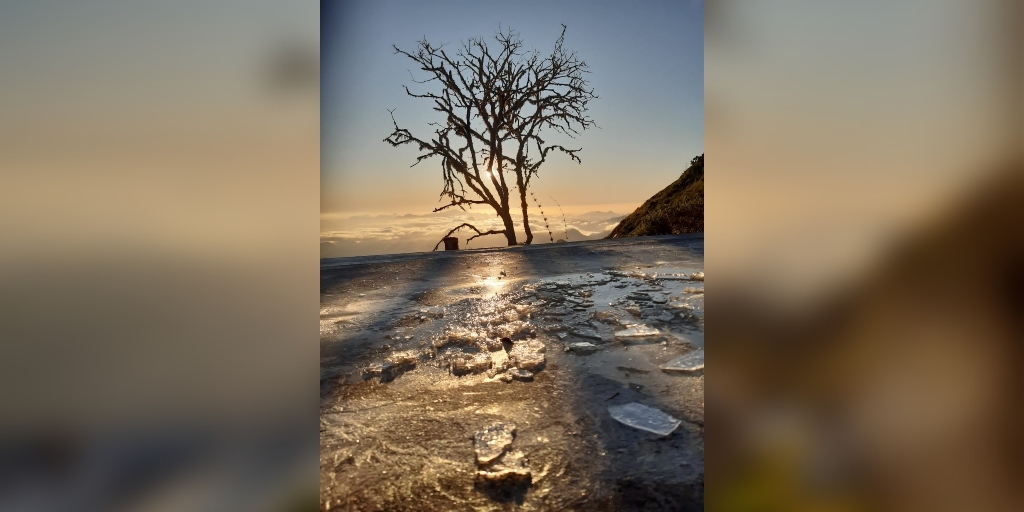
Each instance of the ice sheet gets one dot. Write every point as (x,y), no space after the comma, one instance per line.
(692,362)
(644,418)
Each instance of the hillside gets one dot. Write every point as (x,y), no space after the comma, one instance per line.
(678,208)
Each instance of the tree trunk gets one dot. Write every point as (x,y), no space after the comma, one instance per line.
(510,228)
(526,216)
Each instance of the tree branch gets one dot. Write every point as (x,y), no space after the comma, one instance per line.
(470,226)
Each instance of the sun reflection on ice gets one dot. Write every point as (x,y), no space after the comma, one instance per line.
(494,285)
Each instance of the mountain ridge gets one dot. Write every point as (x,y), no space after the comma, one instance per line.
(676,209)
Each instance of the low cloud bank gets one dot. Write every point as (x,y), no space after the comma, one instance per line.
(362,235)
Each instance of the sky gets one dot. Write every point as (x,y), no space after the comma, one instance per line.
(646,62)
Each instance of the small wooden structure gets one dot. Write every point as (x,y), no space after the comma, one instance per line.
(451,243)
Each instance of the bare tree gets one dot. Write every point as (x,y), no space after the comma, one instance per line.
(495,106)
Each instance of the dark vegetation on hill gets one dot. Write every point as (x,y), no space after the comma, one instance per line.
(678,208)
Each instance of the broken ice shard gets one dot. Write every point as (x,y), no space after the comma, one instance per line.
(373,370)
(691,362)
(637,331)
(530,361)
(644,418)
(501,474)
(511,469)
(510,330)
(457,335)
(528,355)
(584,347)
(500,361)
(585,332)
(520,374)
(491,442)
(471,364)
(406,357)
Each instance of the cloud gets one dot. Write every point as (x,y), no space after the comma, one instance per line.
(362,235)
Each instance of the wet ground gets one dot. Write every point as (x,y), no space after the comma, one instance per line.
(503,379)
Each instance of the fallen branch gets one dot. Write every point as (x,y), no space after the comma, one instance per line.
(470,226)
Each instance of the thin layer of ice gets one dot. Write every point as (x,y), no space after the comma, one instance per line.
(559,311)
(691,362)
(585,332)
(644,418)
(434,311)
(666,317)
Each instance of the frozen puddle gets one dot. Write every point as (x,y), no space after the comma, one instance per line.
(485,378)
(644,418)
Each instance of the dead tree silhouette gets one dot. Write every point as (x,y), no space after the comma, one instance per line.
(495,108)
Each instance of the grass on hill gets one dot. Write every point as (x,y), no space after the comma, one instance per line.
(678,208)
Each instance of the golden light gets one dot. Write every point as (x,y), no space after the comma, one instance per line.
(494,284)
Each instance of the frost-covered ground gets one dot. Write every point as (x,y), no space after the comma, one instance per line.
(552,377)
